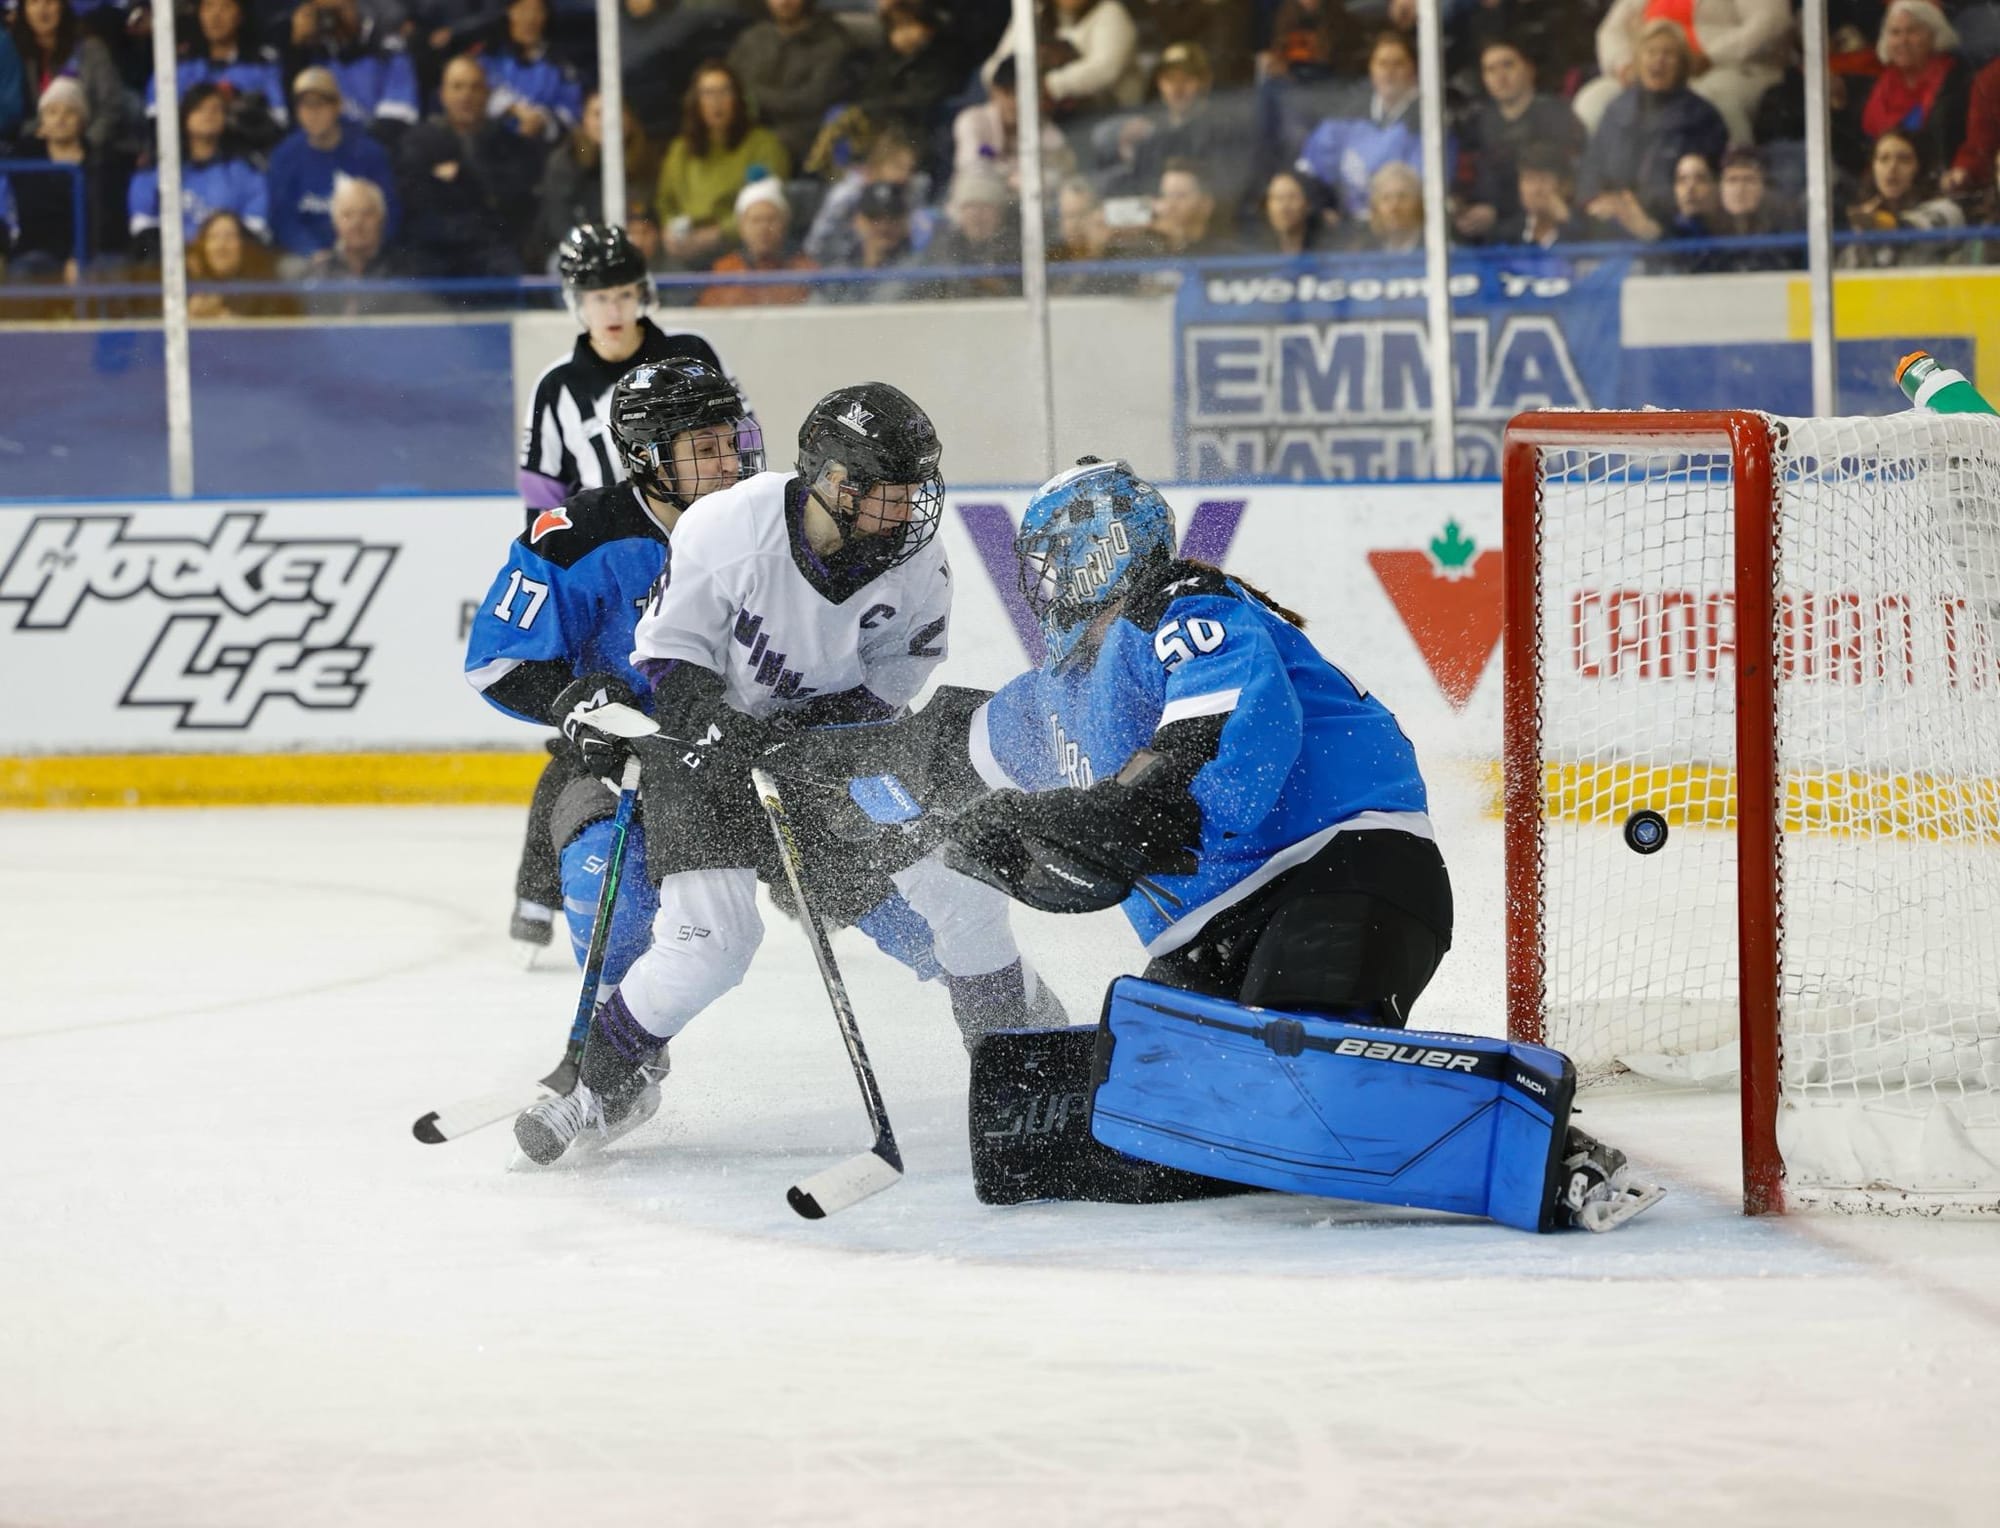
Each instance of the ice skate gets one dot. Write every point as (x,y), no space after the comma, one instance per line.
(583,1120)
(1598,1191)
(532,928)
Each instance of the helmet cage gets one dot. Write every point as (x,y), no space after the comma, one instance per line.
(857,439)
(888,548)
(651,462)
(655,404)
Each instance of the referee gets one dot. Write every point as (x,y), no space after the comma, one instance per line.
(566,447)
(566,442)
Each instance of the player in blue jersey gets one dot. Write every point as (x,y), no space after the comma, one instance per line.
(1185,753)
(565,604)
(567,447)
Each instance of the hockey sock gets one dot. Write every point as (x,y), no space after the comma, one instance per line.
(619,1058)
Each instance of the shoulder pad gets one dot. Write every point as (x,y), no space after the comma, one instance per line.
(1147,606)
(582,523)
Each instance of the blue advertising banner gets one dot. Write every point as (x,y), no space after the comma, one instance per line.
(1321,372)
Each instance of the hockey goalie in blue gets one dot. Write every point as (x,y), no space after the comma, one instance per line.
(1184,752)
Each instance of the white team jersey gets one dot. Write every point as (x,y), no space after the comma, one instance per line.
(736,603)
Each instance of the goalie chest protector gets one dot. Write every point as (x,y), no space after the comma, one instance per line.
(1311,1105)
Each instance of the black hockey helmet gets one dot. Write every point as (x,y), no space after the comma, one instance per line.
(593,256)
(656,401)
(866,435)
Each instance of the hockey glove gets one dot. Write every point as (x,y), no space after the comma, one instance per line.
(601,742)
(729,744)
(1076,850)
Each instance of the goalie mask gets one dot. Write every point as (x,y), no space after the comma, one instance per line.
(683,430)
(1085,535)
(870,457)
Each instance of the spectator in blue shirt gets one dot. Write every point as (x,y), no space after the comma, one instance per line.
(210,181)
(378,83)
(533,89)
(223,56)
(306,164)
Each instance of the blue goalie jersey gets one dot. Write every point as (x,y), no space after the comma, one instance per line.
(573,588)
(1304,751)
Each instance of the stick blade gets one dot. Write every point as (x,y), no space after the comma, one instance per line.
(844,1184)
(448,1124)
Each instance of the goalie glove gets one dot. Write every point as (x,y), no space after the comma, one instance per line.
(926,751)
(1080,850)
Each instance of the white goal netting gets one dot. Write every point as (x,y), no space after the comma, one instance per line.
(1887,781)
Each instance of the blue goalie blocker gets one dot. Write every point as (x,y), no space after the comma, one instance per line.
(1311,1105)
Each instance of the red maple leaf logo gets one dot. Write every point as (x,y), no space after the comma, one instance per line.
(548,520)
(1449,598)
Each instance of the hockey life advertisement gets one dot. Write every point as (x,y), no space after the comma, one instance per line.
(1321,370)
(340,625)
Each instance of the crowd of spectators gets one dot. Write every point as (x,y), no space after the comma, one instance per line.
(326,142)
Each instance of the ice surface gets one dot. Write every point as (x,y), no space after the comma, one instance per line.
(235,1291)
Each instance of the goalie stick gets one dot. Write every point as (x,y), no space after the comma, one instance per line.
(881,1166)
(468,1115)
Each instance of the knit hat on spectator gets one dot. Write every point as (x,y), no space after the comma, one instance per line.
(1188,58)
(883,199)
(64,91)
(765,188)
(316,81)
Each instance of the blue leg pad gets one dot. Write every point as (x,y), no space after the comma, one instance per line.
(1311,1105)
(583,863)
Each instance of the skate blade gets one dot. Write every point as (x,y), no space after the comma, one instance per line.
(1631,1199)
(591,1142)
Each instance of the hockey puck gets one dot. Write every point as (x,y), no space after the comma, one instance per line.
(1645,832)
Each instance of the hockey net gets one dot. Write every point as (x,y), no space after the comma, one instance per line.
(1783,636)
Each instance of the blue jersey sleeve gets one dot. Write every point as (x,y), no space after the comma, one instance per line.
(398,100)
(1220,661)
(1011,738)
(142,201)
(536,611)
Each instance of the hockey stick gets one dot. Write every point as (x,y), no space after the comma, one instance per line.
(455,1120)
(881,1166)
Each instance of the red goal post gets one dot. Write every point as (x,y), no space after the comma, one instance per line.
(1747,439)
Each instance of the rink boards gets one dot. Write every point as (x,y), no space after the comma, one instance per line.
(312,650)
